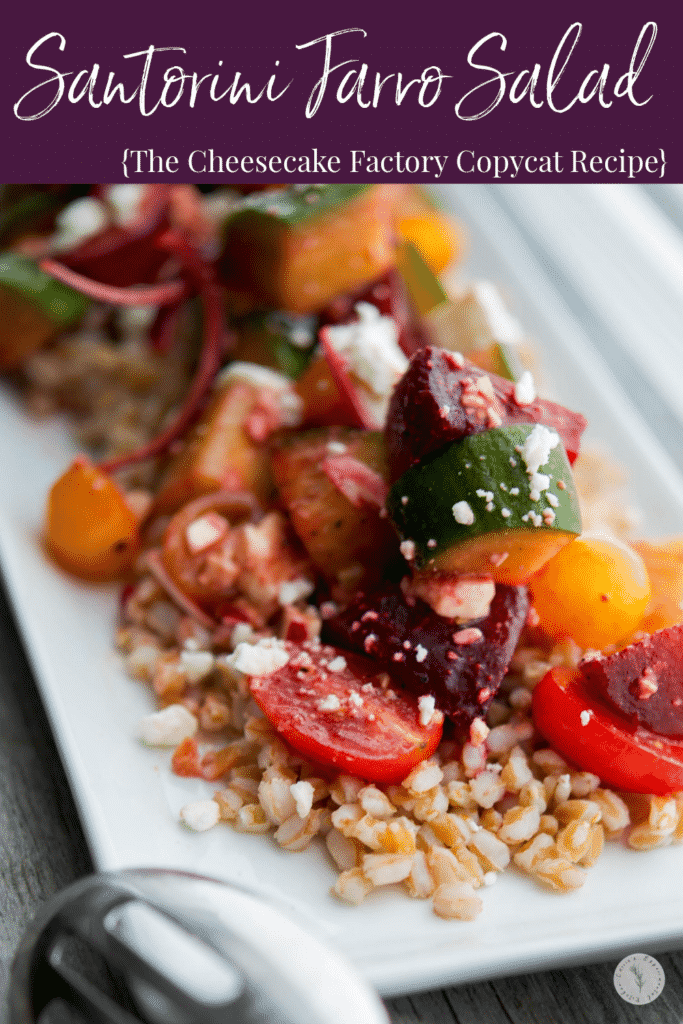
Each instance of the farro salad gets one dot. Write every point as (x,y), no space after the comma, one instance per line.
(382,597)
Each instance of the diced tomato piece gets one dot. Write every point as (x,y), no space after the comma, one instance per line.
(337,709)
(185,760)
(436,402)
(596,739)
(462,667)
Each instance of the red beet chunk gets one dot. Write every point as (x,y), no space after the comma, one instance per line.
(463,677)
(125,256)
(644,681)
(438,401)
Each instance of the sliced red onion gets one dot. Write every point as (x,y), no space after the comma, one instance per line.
(164,294)
(356,481)
(153,563)
(209,362)
(359,414)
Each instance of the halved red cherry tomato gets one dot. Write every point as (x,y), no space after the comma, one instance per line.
(589,735)
(334,708)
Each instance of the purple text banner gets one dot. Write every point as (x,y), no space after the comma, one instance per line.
(501,92)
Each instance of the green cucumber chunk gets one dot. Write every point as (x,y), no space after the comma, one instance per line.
(299,202)
(470,510)
(59,303)
(423,286)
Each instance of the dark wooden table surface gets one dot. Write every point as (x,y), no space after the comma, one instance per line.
(42,850)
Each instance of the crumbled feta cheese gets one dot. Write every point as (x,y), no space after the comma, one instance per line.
(453,598)
(426,705)
(253,373)
(125,201)
(196,664)
(487,495)
(290,403)
(80,219)
(337,664)
(431,543)
(506,513)
(371,348)
(462,513)
(302,793)
(355,699)
(552,500)
(241,634)
(537,447)
(407,549)
(420,653)
(202,533)
(538,482)
(200,815)
(525,389)
(169,727)
(514,491)
(647,684)
(329,703)
(295,590)
(261,659)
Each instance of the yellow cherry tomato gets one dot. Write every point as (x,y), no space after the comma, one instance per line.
(89,529)
(433,237)
(595,590)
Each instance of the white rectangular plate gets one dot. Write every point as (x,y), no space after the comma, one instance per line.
(129,800)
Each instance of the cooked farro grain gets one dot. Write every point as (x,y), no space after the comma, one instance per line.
(375,802)
(457,900)
(559,874)
(487,789)
(445,867)
(425,777)
(534,851)
(296,833)
(352,886)
(386,868)
(344,851)
(574,840)
(577,810)
(493,854)
(519,824)
(419,883)
(252,818)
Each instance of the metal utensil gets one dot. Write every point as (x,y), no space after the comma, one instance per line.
(181,948)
